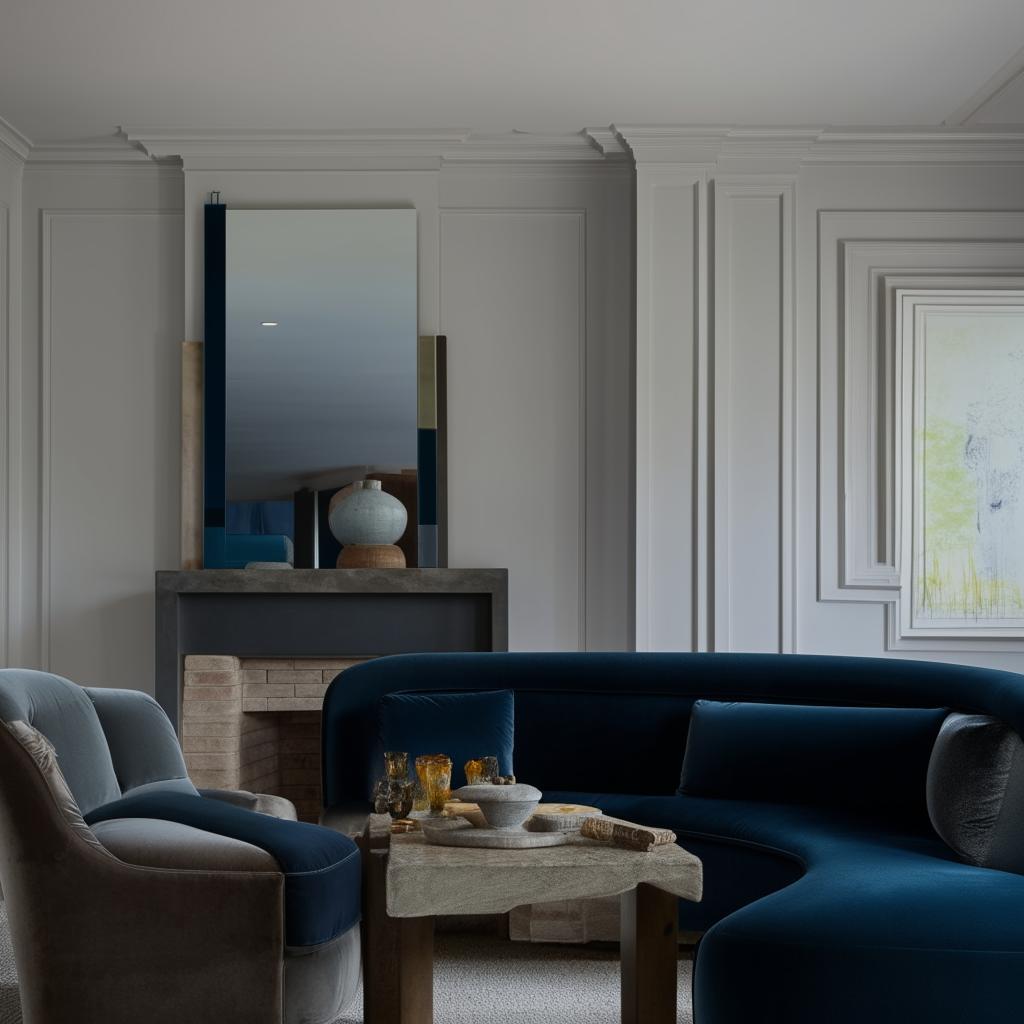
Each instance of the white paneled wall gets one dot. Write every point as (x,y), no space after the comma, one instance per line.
(526,271)
(735,388)
(95,455)
(517,369)
(11,167)
(109,386)
(764,520)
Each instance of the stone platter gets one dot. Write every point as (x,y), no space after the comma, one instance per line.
(459,832)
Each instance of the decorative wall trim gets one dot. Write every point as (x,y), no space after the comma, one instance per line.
(672,528)
(325,149)
(796,146)
(49,218)
(115,150)
(13,141)
(5,443)
(729,194)
(864,256)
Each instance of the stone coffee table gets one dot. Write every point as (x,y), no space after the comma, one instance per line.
(408,882)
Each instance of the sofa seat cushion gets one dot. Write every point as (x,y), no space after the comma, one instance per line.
(321,868)
(858,934)
(879,882)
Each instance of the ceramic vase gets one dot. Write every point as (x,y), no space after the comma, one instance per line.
(368,515)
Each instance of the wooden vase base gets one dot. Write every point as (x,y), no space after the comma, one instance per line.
(371,556)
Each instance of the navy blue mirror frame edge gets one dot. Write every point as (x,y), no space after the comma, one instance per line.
(431,416)
(214,386)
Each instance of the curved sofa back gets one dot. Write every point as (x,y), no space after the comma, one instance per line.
(617,722)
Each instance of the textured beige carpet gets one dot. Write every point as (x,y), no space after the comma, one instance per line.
(477,980)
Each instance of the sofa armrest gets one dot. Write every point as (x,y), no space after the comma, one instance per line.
(263,803)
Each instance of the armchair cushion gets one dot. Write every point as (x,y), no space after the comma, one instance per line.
(155,843)
(321,867)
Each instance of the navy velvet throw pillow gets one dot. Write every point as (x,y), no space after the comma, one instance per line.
(870,760)
(461,725)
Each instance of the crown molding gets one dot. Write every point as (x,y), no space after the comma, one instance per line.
(264,149)
(14,141)
(198,145)
(608,142)
(709,145)
(591,150)
(89,151)
(995,86)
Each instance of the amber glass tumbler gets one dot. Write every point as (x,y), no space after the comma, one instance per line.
(435,775)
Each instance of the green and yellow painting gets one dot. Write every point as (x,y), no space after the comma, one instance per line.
(969,471)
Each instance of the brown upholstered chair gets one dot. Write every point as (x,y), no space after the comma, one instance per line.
(142,918)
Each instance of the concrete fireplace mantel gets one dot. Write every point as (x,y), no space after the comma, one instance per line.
(322,613)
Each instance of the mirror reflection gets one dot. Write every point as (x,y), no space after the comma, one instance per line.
(321,386)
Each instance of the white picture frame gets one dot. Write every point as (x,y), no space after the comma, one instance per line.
(960,463)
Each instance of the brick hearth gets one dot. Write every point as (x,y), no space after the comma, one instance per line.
(254,723)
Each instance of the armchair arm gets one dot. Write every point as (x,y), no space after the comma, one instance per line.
(264,803)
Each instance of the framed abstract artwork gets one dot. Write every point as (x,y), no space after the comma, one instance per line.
(960,463)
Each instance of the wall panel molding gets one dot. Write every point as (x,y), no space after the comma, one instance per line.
(50,219)
(753,413)
(672,406)
(578,216)
(863,258)
(6,448)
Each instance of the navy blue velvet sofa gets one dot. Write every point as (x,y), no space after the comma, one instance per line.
(829,895)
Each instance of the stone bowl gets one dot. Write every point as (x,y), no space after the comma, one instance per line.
(503,807)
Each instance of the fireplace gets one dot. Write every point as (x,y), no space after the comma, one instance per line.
(244,657)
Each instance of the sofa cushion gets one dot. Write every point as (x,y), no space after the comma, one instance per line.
(976,791)
(321,868)
(461,725)
(65,715)
(865,760)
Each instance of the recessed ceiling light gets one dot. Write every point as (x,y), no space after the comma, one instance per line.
(269,323)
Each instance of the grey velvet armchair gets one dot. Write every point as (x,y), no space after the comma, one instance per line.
(139,917)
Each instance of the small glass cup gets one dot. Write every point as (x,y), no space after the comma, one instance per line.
(435,775)
(381,796)
(480,770)
(397,764)
(400,796)
(420,803)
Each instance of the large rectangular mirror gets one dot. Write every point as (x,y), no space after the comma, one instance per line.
(314,384)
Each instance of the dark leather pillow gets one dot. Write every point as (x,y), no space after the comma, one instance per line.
(976,791)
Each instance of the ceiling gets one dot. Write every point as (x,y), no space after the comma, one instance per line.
(77,69)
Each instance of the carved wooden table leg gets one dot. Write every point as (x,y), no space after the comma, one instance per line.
(650,923)
(398,953)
